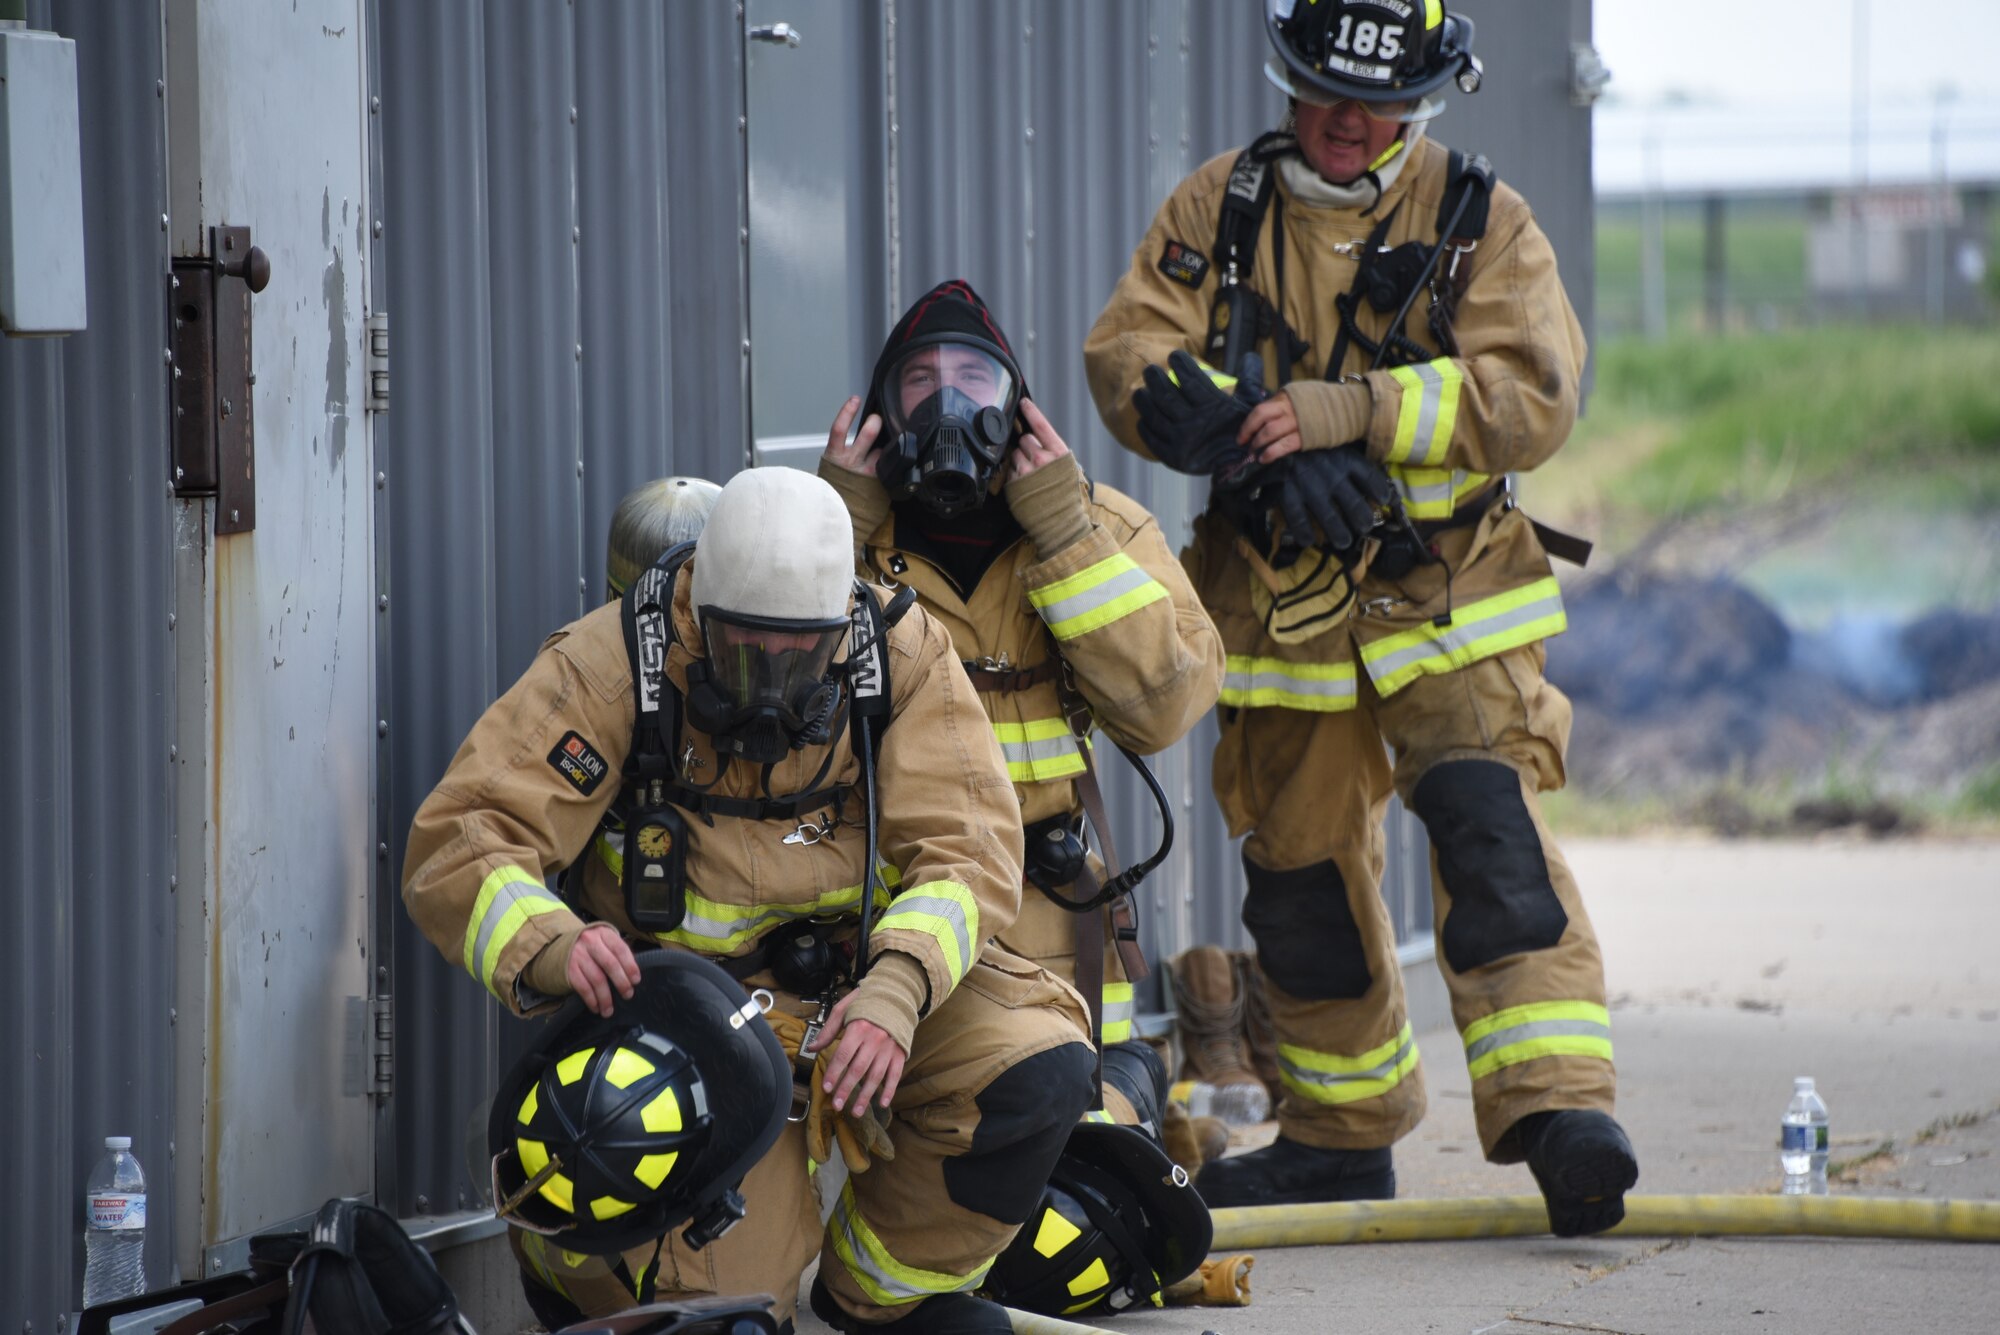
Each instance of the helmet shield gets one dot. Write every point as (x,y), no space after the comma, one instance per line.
(610,1132)
(769,665)
(1373,51)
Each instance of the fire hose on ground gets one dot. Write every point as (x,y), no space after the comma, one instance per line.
(1343,1223)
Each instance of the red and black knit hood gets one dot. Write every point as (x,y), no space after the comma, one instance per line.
(949,311)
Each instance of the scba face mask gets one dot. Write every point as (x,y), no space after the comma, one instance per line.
(949,405)
(768,686)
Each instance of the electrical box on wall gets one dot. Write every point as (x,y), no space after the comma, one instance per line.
(41,186)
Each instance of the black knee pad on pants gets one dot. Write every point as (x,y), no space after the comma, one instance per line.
(1136,1071)
(1025,1116)
(1307,940)
(1491,862)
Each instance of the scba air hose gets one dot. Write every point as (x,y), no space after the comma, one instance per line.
(1340,1223)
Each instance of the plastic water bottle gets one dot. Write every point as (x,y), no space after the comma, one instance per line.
(1802,1141)
(114,1235)
(1237,1104)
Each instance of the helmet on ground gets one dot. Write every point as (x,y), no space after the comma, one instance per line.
(1118,1222)
(1377,52)
(609,1132)
(663,513)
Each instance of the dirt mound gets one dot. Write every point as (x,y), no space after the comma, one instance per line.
(1682,682)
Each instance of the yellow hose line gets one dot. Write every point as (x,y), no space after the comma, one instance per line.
(1028,1323)
(1338,1223)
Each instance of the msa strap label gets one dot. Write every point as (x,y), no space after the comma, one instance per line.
(1184,264)
(578,761)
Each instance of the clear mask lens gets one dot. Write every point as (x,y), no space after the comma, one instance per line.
(981,378)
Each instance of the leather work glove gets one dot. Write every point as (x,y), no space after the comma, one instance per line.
(1221,1282)
(861,1140)
(1189,414)
(1329,497)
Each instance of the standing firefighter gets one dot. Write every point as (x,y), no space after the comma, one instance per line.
(715,760)
(1375,586)
(1062,599)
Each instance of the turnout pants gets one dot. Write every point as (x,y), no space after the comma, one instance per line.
(997,1076)
(1471,751)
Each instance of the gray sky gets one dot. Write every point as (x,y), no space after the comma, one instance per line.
(1733,93)
(1803,52)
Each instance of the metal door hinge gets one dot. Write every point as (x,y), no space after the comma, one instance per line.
(381,1046)
(378,362)
(214,444)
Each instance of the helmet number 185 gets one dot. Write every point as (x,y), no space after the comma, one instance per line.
(1369,38)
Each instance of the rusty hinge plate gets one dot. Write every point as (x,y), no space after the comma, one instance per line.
(213,429)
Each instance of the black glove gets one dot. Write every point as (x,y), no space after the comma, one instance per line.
(1328,497)
(1189,422)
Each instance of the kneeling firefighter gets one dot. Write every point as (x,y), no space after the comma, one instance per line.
(716,764)
(1063,602)
(1380,596)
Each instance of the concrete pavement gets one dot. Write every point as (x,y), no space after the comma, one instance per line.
(1733,968)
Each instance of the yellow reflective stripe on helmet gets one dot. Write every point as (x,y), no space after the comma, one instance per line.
(508,897)
(1039,750)
(1478,630)
(1433,14)
(946,912)
(881,1276)
(1428,411)
(1095,596)
(1118,1008)
(1433,493)
(1257,683)
(1537,1029)
(1330,1077)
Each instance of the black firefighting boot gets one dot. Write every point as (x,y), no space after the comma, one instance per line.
(946,1314)
(1286,1172)
(1584,1165)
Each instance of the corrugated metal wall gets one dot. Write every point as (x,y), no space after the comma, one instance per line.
(85,604)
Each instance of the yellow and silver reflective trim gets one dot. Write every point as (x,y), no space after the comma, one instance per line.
(1101,1117)
(1537,1029)
(1433,493)
(1118,1009)
(1039,750)
(881,1276)
(1427,413)
(1256,683)
(716,928)
(1095,596)
(508,897)
(1478,630)
(944,911)
(1328,1077)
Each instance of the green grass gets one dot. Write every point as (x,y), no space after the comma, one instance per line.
(1745,420)
(1764,265)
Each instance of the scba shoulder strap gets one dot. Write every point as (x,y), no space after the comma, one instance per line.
(1461,225)
(653,794)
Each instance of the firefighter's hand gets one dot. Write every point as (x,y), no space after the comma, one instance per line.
(862,455)
(867,1064)
(1039,444)
(1271,431)
(600,961)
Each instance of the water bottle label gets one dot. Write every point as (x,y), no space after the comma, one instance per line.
(1799,1139)
(118,1210)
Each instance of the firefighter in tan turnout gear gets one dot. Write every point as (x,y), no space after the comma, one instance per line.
(689,756)
(1381,600)
(1063,601)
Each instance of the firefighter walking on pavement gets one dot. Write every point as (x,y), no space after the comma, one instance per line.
(710,764)
(1356,334)
(1064,603)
